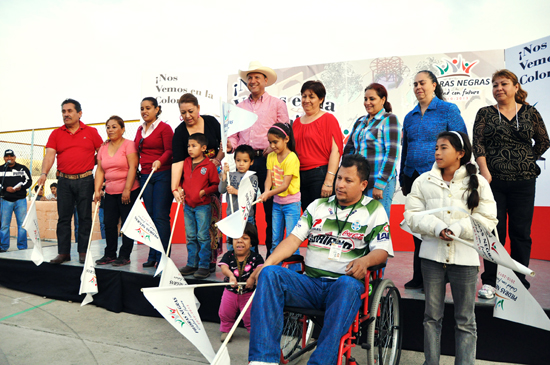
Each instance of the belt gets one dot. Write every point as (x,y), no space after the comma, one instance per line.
(259,153)
(75,176)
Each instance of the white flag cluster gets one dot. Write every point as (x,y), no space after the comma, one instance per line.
(233,225)
(30,224)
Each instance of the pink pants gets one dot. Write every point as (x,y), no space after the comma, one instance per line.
(230,305)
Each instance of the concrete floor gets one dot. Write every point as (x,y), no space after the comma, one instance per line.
(39,330)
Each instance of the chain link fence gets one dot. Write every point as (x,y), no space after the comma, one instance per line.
(29,147)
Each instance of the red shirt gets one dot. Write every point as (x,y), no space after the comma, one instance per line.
(203,177)
(157,146)
(75,151)
(314,140)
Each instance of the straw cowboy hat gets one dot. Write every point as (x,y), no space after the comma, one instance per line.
(256,66)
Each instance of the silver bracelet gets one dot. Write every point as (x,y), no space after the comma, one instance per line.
(333,174)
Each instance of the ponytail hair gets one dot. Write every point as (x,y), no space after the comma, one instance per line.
(283,130)
(521,95)
(155,104)
(438,88)
(382,93)
(462,143)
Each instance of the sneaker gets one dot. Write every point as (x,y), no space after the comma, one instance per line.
(224,336)
(188,270)
(121,262)
(104,260)
(486,292)
(202,273)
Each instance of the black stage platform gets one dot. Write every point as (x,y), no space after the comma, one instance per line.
(119,291)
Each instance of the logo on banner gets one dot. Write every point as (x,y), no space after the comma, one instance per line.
(456,67)
(178,319)
(143,234)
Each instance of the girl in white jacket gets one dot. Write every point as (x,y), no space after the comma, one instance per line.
(452,182)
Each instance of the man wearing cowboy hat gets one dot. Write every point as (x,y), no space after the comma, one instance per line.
(15,179)
(270,110)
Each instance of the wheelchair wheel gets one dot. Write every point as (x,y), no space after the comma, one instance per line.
(384,332)
(294,337)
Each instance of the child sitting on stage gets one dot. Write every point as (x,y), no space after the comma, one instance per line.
(238,266)
(200,180)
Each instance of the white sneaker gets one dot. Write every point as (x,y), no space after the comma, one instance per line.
(486,292)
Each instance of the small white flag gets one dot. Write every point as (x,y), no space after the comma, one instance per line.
(177,306)
(514,303)
(140,227)
(491,249)
(30,224)
(235,119)
(88,279)
(233,225)
(222,357)
(171,276)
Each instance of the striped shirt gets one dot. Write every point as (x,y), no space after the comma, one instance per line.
(366,229)
(380,142)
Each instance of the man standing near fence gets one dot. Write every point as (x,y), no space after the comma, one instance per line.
(75,145)
(15,179)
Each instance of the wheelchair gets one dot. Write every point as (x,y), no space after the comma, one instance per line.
(377,327)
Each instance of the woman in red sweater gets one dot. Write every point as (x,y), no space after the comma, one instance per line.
(154,144)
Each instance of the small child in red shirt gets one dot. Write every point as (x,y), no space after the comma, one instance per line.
(200,180)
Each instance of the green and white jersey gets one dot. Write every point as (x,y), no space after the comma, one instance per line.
(366,229)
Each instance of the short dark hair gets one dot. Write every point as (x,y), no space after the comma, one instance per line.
(53,185)
(36,187)
(76,104)
(252,232)
(189,98)
(200,138)
(360,162)
(317,87)
(244,148)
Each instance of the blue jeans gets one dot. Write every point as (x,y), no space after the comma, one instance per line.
(463,281)
(388,195)
(158,201)
(197,225)
(285,215)
(19,207)
(102,221)
(277,287)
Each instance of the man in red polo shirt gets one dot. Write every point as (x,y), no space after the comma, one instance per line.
(75,145)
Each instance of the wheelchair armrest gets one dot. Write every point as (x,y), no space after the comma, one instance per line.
(294,259)
(377,267)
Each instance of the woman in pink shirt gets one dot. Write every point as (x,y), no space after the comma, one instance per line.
(117,162)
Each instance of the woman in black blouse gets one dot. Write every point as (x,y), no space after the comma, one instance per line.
(193,122)
(507,158)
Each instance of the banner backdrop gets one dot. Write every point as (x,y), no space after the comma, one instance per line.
(531,63)
(168,87)
(464,76)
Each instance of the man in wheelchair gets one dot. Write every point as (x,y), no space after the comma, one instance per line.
(347,233)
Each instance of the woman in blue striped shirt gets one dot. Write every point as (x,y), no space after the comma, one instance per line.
(377,136)
(431,116)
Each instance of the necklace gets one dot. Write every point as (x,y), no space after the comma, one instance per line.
(241,264)
(517,121)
